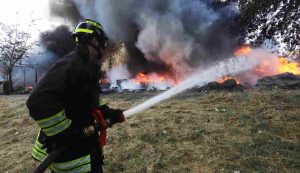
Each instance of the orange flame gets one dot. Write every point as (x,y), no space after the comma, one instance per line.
(103,81)
(286,66)
(161,78)
(244,50)
(141,78)
(228,77)
(267,68)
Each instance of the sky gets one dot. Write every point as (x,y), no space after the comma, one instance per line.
(23,11)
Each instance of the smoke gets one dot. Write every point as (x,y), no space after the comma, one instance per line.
(54,43)
(170,34)
(64,9)
(202,76)
(130,85)
(23,77)
(39,59)
(268,67)
(58,41)
(116,73)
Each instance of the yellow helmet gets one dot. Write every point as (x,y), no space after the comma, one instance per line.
(87,29)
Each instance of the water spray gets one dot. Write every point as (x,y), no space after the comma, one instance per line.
(200,78)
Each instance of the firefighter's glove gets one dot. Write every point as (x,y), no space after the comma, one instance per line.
(121,118)
(112,115)
(115,116)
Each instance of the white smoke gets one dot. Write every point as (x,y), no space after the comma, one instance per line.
(131,85)
(118,73)
(171,46)
(269,66)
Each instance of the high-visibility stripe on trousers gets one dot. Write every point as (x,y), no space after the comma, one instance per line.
(82,164)
(79,165)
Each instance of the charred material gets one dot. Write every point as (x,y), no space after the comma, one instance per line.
(227,85)
(285,81)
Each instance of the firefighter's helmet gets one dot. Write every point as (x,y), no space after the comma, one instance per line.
(87,29)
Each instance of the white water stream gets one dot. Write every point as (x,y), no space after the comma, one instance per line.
(200,78)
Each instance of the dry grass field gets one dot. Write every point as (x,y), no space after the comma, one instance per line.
(253,131)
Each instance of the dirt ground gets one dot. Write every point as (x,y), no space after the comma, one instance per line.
(253,131)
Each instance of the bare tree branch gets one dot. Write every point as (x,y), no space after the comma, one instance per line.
(14,48)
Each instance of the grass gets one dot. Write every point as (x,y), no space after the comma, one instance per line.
(253,131)
(17,132)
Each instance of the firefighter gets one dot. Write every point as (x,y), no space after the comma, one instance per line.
(63,102)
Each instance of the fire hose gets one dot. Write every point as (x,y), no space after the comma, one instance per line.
(48,160)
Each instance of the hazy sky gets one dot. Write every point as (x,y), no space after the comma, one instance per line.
(22,11)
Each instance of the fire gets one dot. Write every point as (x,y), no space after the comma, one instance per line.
(141,78)
(268,67)
(286,66)
(282,65)
(103,81)
(161,78)
(243,50)
(228,77)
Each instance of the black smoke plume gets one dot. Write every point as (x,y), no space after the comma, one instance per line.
(64,9)
(58,41)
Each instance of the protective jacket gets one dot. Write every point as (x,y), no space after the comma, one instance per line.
(61,104)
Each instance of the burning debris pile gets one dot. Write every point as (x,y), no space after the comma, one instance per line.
(271,65)
(229,84)
(141,82)
(271,73)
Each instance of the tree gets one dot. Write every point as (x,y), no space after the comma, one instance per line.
(276,20)
(14,47)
